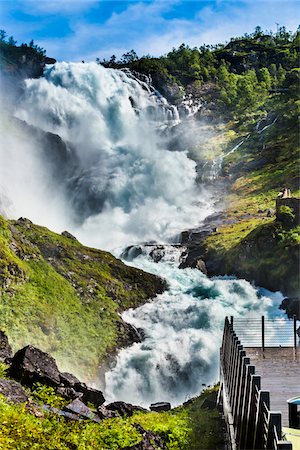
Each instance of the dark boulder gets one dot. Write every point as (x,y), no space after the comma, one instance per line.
(78,407)
(105,413)
(90,395)
(68,379)
(68,235)
(30,365)
(160,406)
(193,259)
(13,391)
(5,348)
(68,393)
(124,409)
(150,441)
(131,252)
(157,253)
(291,306)
(127,334)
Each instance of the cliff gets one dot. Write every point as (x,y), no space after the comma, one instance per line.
(66,298)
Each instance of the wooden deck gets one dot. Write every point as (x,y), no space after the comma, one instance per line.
(279,369)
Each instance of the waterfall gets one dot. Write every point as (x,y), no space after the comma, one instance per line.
(89,157)
(121,185)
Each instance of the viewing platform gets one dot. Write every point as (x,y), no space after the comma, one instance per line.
(260,373)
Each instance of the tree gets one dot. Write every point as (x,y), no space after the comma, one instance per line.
(129,57)
(257,32)
(2,35)
(264,78)
(12,41)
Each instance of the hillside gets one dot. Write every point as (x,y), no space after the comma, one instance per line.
(247,96)
(66,298)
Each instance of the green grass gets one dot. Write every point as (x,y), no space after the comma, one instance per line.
(255,246)
(63,297)
(189,427)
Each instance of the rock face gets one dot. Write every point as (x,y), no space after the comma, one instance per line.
(5,348)
(30,365)
(13,391)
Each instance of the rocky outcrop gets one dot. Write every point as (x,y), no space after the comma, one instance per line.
(124,409)
(13,391)
(5,348)
(291,306)
(30,365)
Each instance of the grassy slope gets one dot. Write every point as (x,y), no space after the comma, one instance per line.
(63,297)
(189,427)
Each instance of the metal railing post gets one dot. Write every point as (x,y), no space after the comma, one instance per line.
(295,332)
(263,333)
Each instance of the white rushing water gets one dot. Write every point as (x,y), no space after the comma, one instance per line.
(114,183)
(183,330)
(125,185)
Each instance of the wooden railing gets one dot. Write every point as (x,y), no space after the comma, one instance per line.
(250,422)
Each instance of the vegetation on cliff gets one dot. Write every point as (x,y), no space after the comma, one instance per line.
(249,91)
(66,298)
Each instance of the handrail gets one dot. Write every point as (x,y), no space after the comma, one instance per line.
(250,422)
(263,332)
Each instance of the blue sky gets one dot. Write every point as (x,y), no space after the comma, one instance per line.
(73,30)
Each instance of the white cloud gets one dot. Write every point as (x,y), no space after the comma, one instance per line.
(154,28)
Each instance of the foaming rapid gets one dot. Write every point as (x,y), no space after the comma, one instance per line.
(123,184)
(183,329)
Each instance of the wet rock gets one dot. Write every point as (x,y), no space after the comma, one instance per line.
(193,259)
(132,252)
(105,413)
(13,391)
(78,407)
(127,334)
(5,348)
(157,253)
(291,306)
(150,441)
(160,406)
(68,379)
(124,409)
(68,235)
(31,364)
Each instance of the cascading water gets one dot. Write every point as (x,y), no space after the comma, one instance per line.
(183,330)
(126,186)
(119,186)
